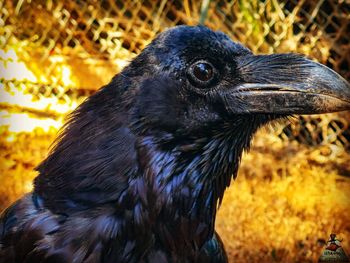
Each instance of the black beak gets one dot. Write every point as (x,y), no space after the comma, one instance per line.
(287,84)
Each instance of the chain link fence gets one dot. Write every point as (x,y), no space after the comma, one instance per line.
(54,54)
(74,47)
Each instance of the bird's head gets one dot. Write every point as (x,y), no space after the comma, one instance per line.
(187,106)
(194,78)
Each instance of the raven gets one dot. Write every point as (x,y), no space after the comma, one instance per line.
(141,166)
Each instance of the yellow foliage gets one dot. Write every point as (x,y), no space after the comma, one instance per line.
(285,204)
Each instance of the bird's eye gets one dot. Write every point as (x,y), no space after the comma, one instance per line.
(202,72)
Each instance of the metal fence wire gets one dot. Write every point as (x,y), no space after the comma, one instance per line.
(95,39)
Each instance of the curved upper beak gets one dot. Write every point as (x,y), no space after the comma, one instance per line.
(287,84)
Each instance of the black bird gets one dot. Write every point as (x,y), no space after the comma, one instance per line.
(141,166)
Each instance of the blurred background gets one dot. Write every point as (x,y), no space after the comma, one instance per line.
(292,191)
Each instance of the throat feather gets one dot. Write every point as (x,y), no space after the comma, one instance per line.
(194,173)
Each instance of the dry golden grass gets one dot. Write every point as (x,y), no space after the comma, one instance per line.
(19,154)
(287,198)
(284,204)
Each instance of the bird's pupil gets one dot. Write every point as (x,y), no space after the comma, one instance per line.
(203,71)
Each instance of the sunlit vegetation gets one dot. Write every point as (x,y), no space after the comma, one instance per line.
(292,190)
